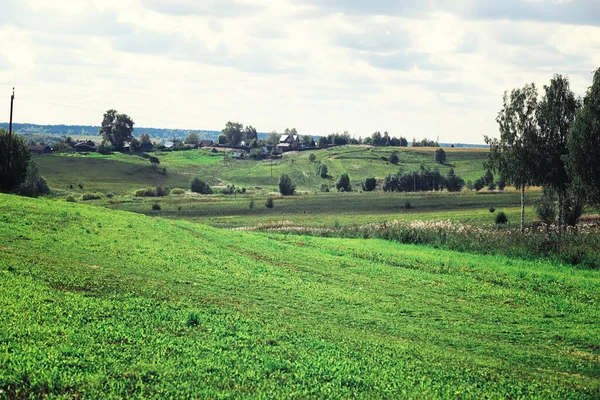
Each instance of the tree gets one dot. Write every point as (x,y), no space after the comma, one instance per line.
(513,155)
(308,141)
(478,184)
(452,182)
(234,132)
(323,141)
(344,183)
(192,138)
(269,203)
(369,184)
(154,161)
(34,184)
(116,128)
(250,133)
(394,159)
(545,207)
(135,145)
(286,187)
(197,185)
(583,143)
(14,159)
(555,114)
(488,178)
(322,171)
(440,156)
(144,138)
(273,138)
(312,157)
(222,139)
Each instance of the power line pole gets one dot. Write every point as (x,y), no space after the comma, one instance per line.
(8,156)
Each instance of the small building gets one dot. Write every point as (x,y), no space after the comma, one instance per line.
(39,149)
(207,143)
(237,155)
(168,144)
(85,146)
(289,142)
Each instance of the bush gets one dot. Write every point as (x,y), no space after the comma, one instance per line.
(110,195)
(91,196)
(286,187)
(501,183)
(177,191)
(407,205)
(440,156)
(492,209)
(154,161)
(80,184)
(312,157)
(479,184)
(369,184)
(394,159)
(501,218)
(70,199)
(34,184)
(251,204)
(492,186)
(156,207)
(105,147)
(343,184)
(157,191)
(197,185)
(322,170)
(545,207)
(270,203)
(229,189)
(324,187)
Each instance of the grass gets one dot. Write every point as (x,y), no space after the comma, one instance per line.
(124,173)
(105,303)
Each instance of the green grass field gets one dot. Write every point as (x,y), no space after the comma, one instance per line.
(106,303)
(124,173)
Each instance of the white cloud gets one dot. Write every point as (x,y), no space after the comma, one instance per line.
(417,68)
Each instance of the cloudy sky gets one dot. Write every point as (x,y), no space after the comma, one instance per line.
(416,68)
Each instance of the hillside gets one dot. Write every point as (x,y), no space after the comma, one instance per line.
(98,302)
(122,173)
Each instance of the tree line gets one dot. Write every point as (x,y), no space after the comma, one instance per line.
(552,142)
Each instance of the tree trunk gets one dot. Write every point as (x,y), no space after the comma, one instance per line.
(561,214)
(522,208)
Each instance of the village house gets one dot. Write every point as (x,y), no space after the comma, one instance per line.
(85,146)
(289,142)
(39,149)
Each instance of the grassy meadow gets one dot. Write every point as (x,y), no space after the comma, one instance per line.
(108,303)
(124,173)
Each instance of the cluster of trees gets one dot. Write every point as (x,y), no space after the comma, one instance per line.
(423,180)
(377,139)
(18,173)
(424,143)
(551,142)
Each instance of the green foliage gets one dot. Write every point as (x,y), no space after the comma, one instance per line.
(488,178)
(492,209)
(251,204)
(156,207)
(144,138)
(91,196)
(501,184)
(14,161)
(135,146)
(452,182)
(116,128)
(407,205)
(105,147)
(440,156)
(286,187)
(394,159)
(234,132)
(583,143)
(501,218)
(312,157)
(177,191)
(155,191)
(34,184)
(154,161)
(369,184)
(545,207)
(198,185)
(479,184)
(269,203)
(343,184)
(192,138)
(322,171)
(324,187)
(70,199)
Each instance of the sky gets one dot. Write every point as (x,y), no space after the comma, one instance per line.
(414,68)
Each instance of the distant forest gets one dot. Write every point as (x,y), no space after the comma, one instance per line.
(66,130)
(44,132)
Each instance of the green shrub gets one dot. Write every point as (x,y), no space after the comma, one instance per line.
(193,319)
(34,184)
(197,185)
(157,191)
(270,203)
(343,184)
(545,207)
(312,157)
(394,159)
(322,171)
(324,187)
(177,191)
(286,187)
(407,205)
(369,184)
(156,207)
(492,209)
(501,218)
(229,189)
(479,184)
(251,204)
(91,196)
(110,195)
(70,199)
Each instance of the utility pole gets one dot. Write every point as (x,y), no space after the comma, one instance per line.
(12,100)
